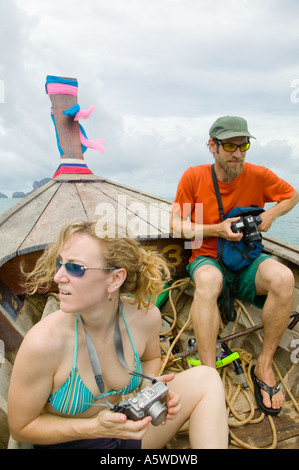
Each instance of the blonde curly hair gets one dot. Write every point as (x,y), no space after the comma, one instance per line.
(147,271)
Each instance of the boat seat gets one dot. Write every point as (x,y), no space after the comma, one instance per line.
(12,444)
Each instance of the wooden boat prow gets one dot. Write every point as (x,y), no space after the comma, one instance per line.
(34,223)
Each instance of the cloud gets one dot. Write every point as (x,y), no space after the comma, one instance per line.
(159,73)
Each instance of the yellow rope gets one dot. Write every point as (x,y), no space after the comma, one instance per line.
(231,392)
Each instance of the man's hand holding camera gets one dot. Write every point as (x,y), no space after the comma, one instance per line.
(225,231)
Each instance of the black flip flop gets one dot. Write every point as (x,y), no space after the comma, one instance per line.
(260,385)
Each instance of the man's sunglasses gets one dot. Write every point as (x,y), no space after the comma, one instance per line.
(233,147)
(76,270)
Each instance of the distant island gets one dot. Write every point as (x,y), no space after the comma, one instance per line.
(21,194)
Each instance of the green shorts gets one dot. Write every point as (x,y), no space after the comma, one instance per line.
(246,287)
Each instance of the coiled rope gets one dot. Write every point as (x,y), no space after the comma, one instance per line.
(232,390)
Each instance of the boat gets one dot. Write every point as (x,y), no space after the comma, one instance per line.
(75,192)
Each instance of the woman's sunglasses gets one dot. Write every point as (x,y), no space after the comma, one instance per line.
(76,270)
(233,147)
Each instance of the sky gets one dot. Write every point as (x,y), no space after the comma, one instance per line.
(159,73)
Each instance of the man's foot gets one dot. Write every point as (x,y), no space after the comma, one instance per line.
(267,393)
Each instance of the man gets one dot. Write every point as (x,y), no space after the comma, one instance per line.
(266,283)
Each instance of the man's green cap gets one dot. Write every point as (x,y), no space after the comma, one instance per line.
(227,127)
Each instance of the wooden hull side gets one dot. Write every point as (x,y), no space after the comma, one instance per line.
(172,249)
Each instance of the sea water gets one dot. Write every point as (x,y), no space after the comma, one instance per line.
(286,227)
(7,203)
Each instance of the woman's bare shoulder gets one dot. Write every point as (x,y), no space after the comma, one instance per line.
(149,317)
(48,336)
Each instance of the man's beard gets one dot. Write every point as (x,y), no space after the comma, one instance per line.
(231,171)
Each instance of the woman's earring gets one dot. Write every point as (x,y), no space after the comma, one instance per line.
(109,297)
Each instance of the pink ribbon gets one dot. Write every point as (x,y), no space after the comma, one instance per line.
(61,89)
(82,114)
(92,144)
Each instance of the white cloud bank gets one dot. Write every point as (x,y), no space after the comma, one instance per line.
(159,73)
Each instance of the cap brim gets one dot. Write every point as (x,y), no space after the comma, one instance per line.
(231,134)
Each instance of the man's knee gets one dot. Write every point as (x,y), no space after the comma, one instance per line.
(277,279)
(283,282)
(208,282)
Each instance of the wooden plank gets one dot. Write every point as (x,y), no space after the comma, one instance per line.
(64,207)
(143,216)
(117,186)
(91,196)
(260,435)
(173,251)
(292,443)
(136,195)
(20,220)
(291,379)
(11,335)
(281,249)
(131,213)
(77,177)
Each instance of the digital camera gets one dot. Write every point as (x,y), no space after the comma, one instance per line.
(151,401)
(248,225)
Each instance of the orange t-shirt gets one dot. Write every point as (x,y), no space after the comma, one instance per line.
(255,185)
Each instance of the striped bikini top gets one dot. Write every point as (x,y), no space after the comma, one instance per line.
(74,397)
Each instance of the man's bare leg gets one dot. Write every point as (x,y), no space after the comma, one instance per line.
(204,312)
(277,281)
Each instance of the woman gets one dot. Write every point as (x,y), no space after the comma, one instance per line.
(53,394)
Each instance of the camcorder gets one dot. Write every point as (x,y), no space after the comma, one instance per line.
(248,224)
(151,401)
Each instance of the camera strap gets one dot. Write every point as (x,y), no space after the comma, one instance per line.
(94,360)
(228,296)
(95,363)
(216,187)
